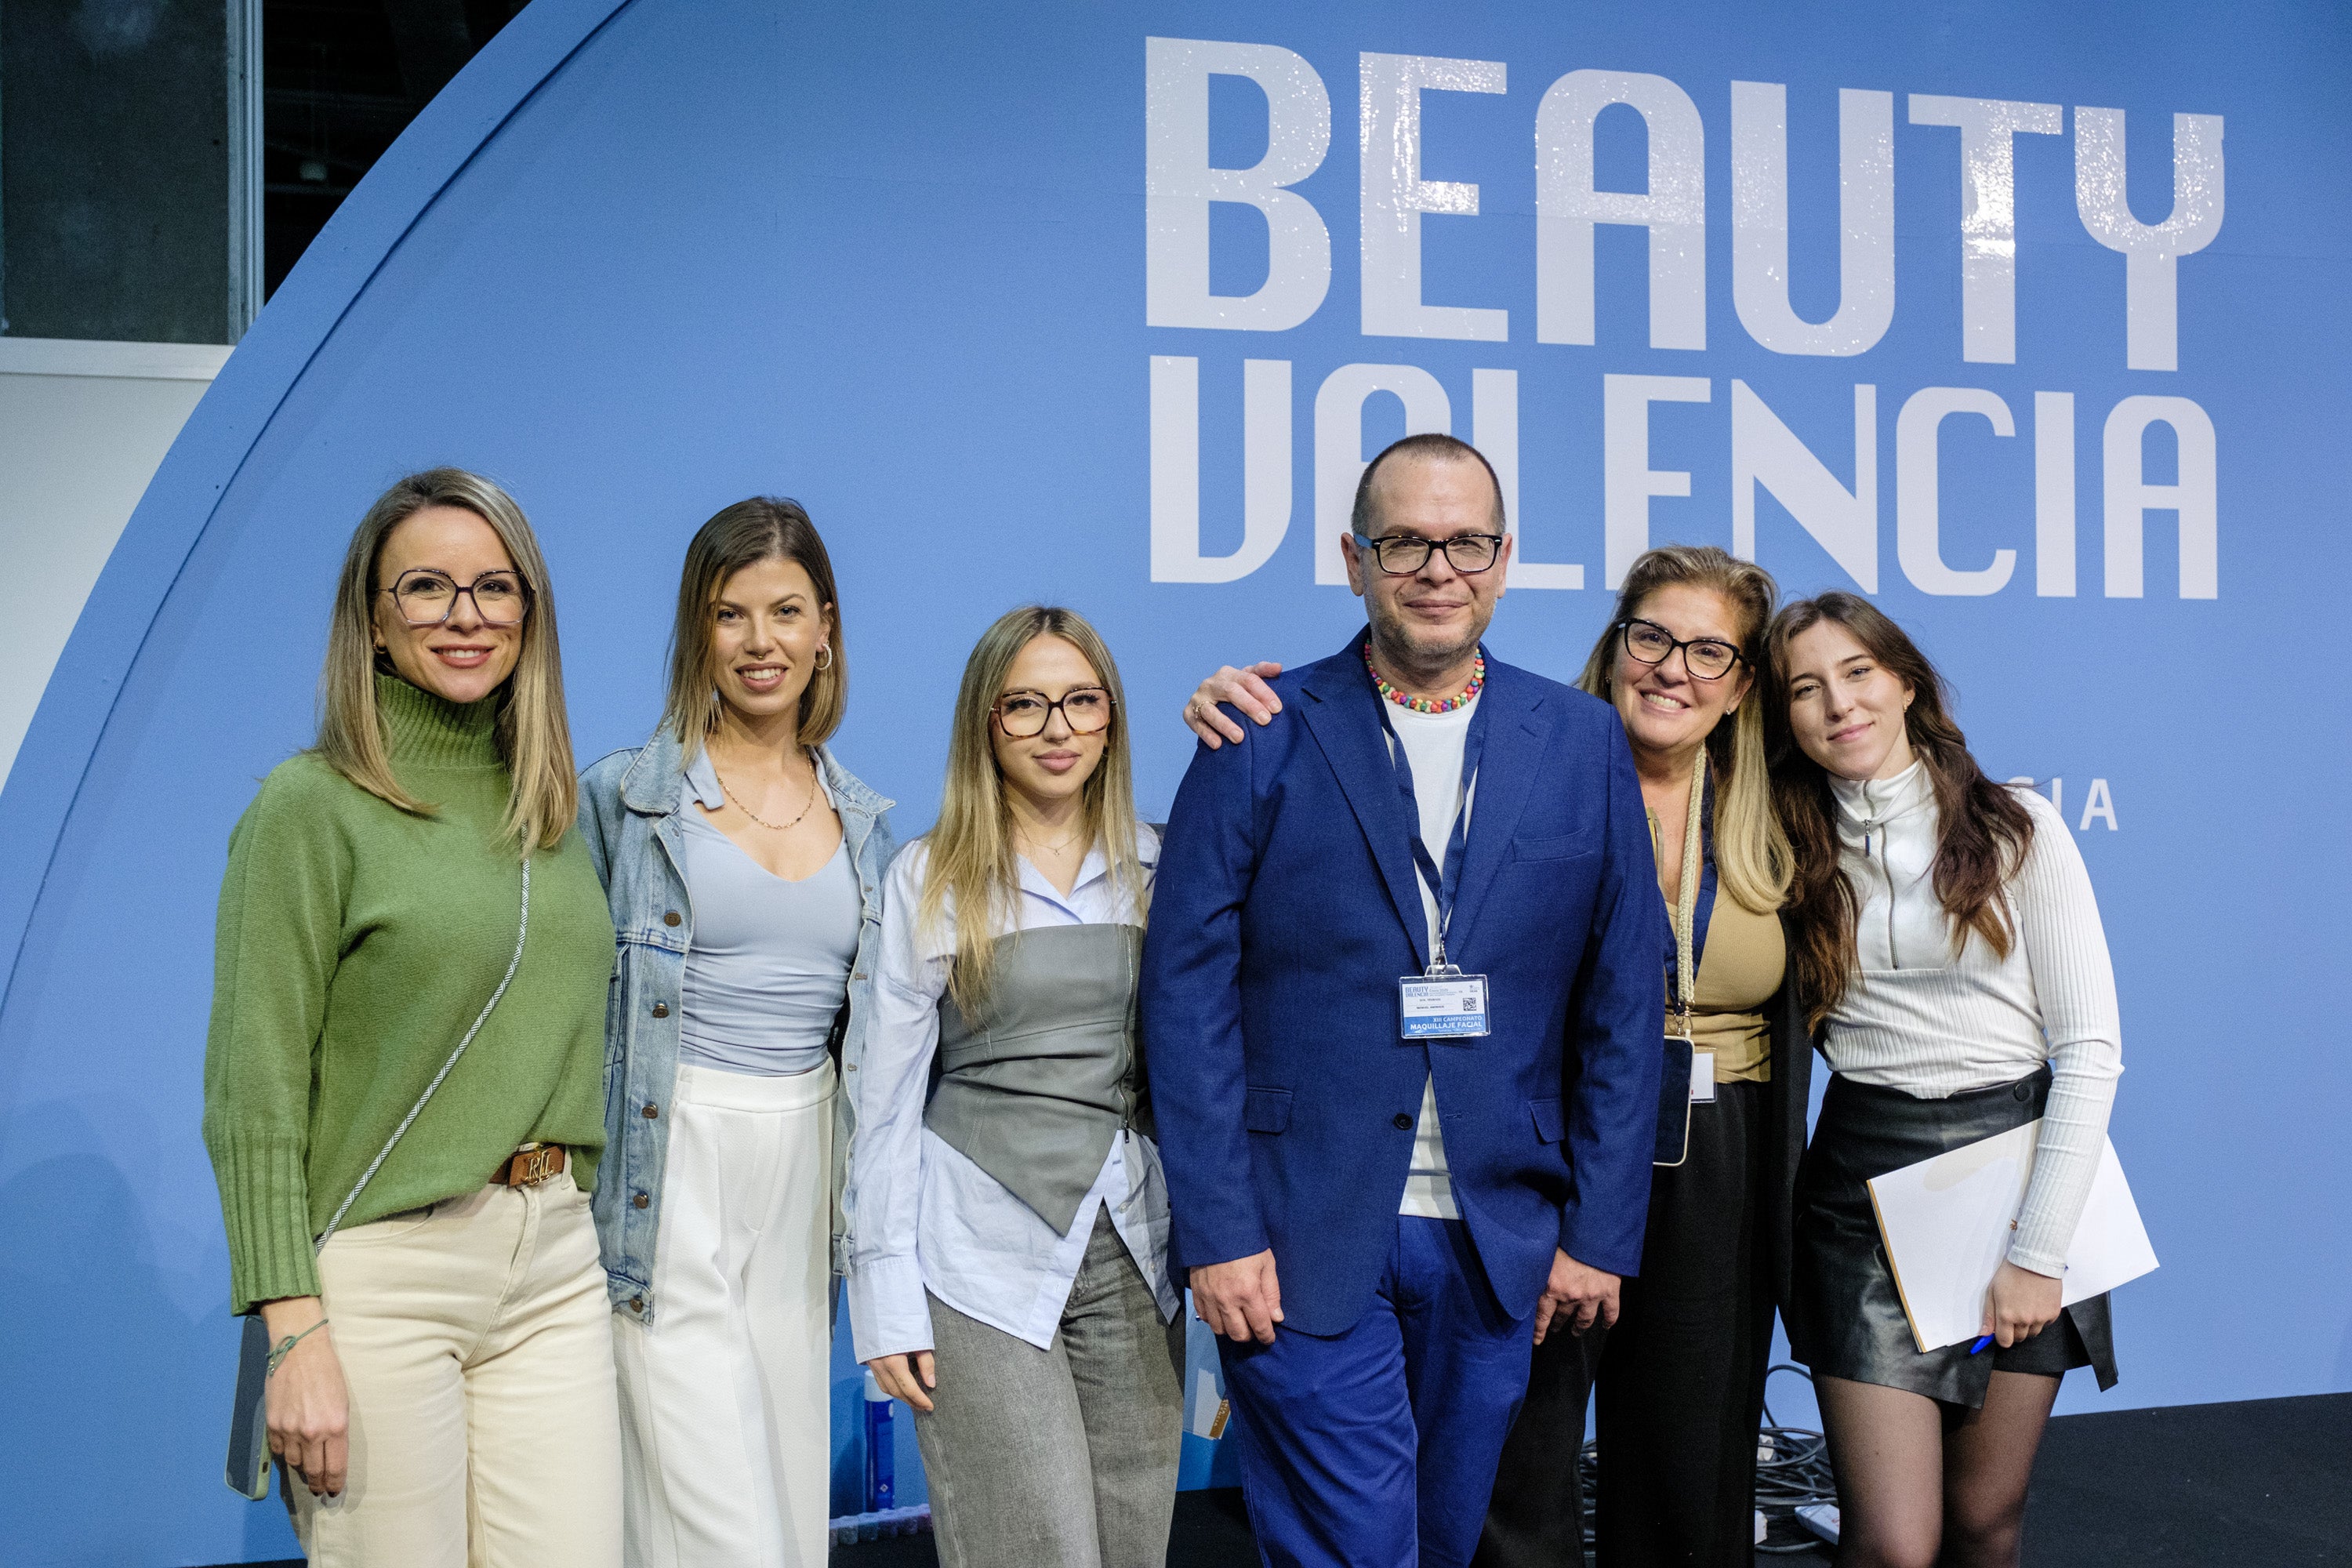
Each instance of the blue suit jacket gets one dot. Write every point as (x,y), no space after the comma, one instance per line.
(1285,909)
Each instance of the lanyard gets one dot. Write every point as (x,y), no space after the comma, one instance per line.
(1442,886)
(1685,978)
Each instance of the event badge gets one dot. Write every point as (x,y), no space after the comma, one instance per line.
(1702,1078)
(1443,1005)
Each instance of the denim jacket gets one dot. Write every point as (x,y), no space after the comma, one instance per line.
(629,803)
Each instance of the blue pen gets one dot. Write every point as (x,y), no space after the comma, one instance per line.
(1980,1344)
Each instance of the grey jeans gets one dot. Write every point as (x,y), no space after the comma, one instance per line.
(1063,1457)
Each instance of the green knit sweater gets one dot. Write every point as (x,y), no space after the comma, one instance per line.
(356,944)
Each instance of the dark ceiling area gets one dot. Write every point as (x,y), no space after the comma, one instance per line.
(341,80)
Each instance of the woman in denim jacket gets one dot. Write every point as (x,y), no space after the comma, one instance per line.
(744,866)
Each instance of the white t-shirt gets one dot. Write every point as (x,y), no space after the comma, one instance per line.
(1432,745)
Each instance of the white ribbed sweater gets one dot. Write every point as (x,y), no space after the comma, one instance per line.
(1934,1023)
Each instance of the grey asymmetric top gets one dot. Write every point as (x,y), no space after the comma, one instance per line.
(1036,1089)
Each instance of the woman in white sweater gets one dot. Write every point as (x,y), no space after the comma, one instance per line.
(1950,951)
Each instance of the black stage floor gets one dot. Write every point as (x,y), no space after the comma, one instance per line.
(2263,1484)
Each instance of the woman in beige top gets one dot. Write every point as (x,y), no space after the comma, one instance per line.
(1682,1377)
(1682,1384)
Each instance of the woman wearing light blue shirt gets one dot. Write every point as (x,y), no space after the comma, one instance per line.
(744,867)
(1009,1269)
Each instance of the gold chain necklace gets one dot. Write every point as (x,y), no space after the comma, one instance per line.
(771,827)
(1064,844)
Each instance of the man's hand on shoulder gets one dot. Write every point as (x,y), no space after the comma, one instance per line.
(1245,689)
(1576,1296)
(1243,1300)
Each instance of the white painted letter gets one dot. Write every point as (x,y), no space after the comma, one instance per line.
(2150,281)
(1673,209)
(1766,452)
(1627,479)
(1176,470)
(1339,444)
(2098,803)
(1395,196)
(1495,431)
(1760,221)
(2054,495)
(1988,212)
(2196,496)
(1918,506)
(1179,183)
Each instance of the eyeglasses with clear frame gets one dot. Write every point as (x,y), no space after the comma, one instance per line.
(1402,554)
(1025,714)
(1706,658)
(425,597)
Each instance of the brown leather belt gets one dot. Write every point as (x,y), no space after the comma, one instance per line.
(530,1165)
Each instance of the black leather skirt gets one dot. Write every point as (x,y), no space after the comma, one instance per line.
(1848,1320)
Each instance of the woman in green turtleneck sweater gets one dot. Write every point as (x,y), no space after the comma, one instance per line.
(448,1396)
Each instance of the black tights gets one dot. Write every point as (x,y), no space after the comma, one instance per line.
(1927,1485)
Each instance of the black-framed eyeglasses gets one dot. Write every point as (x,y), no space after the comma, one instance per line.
(1084,708)
(1708,658)
(1402,554)
(427,598)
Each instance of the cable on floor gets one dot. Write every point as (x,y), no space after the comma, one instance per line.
(1792,1471)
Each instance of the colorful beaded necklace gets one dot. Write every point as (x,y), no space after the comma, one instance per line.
(1425,704)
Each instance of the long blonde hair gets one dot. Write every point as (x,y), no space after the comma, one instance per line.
(534,736)
(764,528)
(971,859)
(1753,859)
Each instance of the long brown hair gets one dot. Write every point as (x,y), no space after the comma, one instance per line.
(1751,852)
(970,849)
(765,528)
(1982,836)
(534,736)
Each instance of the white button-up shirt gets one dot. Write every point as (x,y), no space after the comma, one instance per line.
(927,1217)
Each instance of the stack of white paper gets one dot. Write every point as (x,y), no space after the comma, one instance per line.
(1947,1224)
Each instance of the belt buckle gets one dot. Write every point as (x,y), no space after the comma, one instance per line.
(536,1164)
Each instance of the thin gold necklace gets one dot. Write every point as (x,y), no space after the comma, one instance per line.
(1064,844)
(771,827)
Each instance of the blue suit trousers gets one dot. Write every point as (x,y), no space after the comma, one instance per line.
(1376,1447)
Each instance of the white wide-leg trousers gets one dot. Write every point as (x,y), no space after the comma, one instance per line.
(725,1397)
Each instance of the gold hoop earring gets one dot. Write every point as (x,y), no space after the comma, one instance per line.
(825,656)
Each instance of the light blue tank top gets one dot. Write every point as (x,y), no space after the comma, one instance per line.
(768,964)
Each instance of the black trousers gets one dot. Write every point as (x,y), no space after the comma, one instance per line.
(1535,1516)
(1681,1379)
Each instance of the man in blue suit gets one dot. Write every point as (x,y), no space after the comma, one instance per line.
(1403,994)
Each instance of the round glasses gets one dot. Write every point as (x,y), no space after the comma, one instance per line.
(1402,554)
(1708,658)
(1022,714)
(427,598)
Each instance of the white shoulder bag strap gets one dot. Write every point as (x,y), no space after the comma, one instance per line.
(249,1423)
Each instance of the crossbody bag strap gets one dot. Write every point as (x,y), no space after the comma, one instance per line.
(523,932)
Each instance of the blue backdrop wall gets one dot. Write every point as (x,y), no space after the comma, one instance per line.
(1974,305)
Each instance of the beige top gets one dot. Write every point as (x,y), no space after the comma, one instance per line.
(1738,974)
(1739,969)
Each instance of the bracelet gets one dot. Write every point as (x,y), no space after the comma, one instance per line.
(285,1347)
